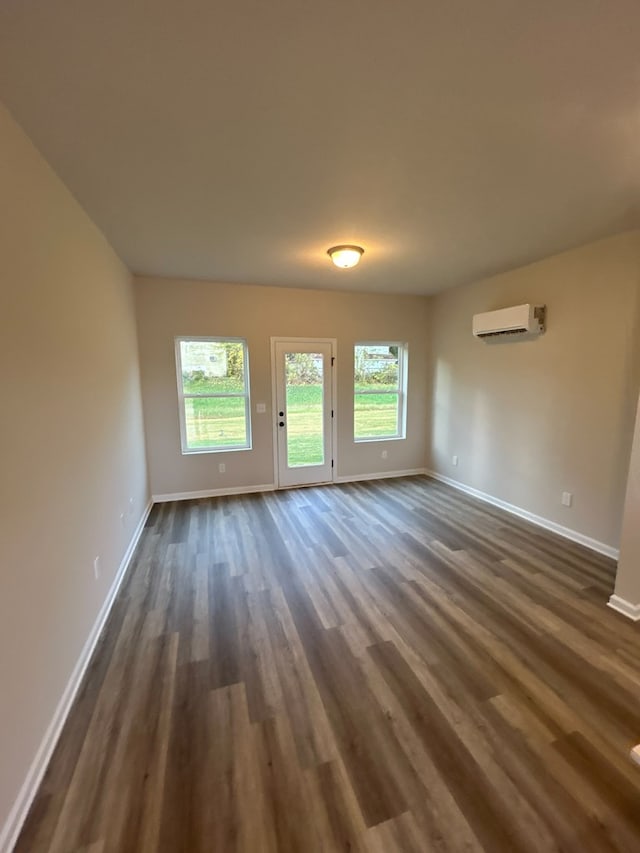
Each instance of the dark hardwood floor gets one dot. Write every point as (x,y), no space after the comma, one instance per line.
(385,666)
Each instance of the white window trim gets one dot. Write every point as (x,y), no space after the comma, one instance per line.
(403,357)
(187,451)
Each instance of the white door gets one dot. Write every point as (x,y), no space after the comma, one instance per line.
(303,385)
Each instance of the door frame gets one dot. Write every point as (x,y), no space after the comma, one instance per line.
(334,402)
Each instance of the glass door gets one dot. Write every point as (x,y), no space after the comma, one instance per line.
(304,408)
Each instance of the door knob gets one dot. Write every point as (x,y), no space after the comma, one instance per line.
(281,423)
(281,414)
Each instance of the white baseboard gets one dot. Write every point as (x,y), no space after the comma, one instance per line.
(18,814)
(566,532)
(383,475)
(270,487)
(631,611)
(212,493)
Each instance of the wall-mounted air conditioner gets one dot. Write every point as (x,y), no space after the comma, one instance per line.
(518,320)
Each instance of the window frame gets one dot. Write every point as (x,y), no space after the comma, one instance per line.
(231,448)
(403,359)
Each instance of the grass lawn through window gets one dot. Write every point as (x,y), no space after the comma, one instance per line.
(220,421)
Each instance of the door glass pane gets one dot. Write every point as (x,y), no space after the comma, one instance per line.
(305,422)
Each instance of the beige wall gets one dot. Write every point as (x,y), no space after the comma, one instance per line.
(531,419)
(167,308)
(71,439)
(628,577)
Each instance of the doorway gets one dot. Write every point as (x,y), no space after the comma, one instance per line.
(303,385)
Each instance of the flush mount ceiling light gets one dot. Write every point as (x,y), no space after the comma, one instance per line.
(345,256)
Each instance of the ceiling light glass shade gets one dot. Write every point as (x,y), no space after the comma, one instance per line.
(345,256)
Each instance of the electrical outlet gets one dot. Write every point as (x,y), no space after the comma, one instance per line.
(222,468)
(384,454)
(567,499)
(454,460)
(96,567)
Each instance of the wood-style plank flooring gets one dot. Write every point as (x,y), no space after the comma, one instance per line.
(385,666)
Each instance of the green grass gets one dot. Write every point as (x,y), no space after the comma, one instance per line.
(375,415)
(212,385)
(219,421)
(215,422)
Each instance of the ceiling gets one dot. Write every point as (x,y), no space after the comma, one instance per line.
(237,140)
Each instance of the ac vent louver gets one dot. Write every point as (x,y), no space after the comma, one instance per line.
(502,334)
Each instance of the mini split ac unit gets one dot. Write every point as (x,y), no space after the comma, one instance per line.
(519,320)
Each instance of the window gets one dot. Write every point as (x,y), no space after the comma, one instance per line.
(213,391)
(380,375)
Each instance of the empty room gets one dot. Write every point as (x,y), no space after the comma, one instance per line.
(320,480)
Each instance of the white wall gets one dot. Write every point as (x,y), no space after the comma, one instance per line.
(71,438)
(167,308)
(531,419)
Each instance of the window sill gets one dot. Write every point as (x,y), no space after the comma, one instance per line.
(379,438)
(201,451)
